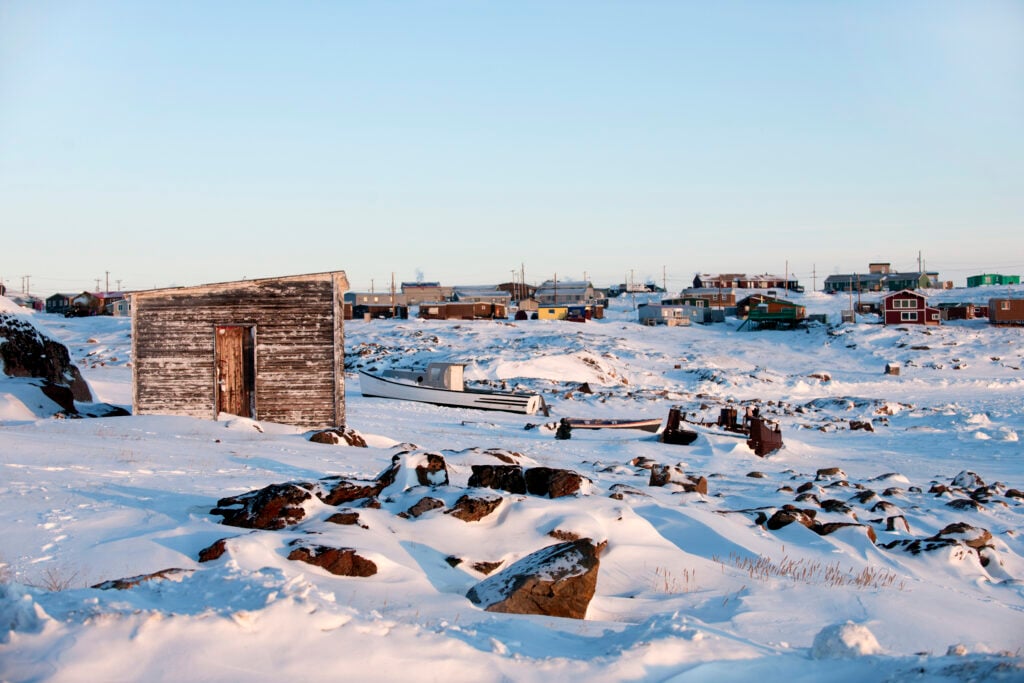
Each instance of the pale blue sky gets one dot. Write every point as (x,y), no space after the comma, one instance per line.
(190,142)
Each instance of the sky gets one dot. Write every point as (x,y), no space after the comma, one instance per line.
(160,144)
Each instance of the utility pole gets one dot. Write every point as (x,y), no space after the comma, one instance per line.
(392,294)
(371,285)
(522,278)
(107,289)
(664,279)
(97,284)
(118,285)
(787,275)
(814,278)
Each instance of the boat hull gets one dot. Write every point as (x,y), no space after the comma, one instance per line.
(645,425)
(509,402)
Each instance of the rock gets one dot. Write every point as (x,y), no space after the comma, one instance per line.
(836,506)
(423,506)
(473,509)
(971,536)
(806,486)
(486,568)
(844,641)
(501,477)
(807,497)
(967,480)
(789,514)
(860,425)
(643,462)
(553,483)
(964,504)
(133,581)
(830,473)
(214,551)
(345,518)
(557,581)
(345,435)
(756,475)
(338,561)
(26,352)
(273,507)
(896,523)
(434,472)
(335,490)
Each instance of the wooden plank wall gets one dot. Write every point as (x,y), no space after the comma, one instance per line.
(299,347)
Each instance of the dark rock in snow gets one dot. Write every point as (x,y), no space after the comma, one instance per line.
(789,514)
(557,581)
(344,435)
(214,551)
(273,507)
(473,509)
(553,483)
(338,561)
(434,472)
(133,581)
(501,477)
(27,352)
(423,506)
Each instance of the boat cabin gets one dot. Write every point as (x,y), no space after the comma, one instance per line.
(436,375)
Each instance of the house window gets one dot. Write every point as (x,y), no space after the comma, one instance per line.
(908,316)
(904,303)
(1004,305)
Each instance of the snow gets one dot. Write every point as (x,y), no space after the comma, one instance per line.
(690,587)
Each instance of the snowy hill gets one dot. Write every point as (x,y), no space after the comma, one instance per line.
(909,525)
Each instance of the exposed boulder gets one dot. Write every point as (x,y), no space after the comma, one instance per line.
(345,518)
(273,507)
(663,475)
(553,483)
(967,480)
(789,514)
(423,506)
(213,551)
(826,528)
(473,509)
(342,435)
(830,473)
(335,490)
(133,581)
(501,477)
(338,561)
(557,581)
(27,352)
(432,472)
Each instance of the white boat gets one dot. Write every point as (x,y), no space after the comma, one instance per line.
(443,384)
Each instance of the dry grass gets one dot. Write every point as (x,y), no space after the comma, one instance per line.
(666,581)
(801,570)
(55,579)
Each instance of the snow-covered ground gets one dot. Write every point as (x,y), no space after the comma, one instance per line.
(690,587)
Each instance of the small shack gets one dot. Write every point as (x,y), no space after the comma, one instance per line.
(269,349)
(1006,311)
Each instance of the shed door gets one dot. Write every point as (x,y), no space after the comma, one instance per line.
(236,371)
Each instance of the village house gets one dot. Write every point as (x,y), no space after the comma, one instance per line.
(490,295)
(1003,311)
(908,307)
(715,298)
(418,292)
(745,281)
(59,303)
(268,349)
(992,279)
(564,293)
(462,310)
(661,314)
(880,277)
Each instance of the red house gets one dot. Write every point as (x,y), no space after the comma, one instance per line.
(907,307)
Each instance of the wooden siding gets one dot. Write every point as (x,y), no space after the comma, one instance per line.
(299,347)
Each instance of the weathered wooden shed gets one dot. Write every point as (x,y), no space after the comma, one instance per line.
(269,349)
